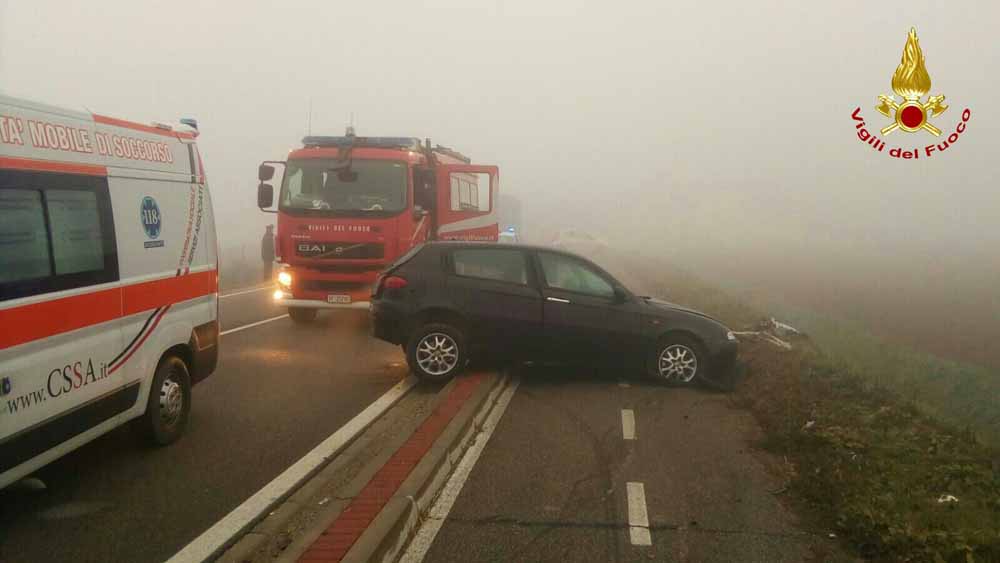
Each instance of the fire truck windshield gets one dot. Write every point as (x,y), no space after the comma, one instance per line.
(369,186)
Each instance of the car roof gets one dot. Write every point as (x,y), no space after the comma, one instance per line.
(446,244)
(500,245)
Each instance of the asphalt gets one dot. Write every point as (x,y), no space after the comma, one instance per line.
(280,389)
(551,484)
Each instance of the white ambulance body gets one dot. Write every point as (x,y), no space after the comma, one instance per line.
(108,281)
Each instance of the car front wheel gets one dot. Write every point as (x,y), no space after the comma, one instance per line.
(678,360)
(436,352)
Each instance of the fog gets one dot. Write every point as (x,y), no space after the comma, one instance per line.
(716,135)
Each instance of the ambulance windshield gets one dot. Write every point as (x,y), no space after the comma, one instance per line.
(369,186)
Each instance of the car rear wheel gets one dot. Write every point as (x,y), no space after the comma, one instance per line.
(436,352)
(169,403)
(678,360)
(302,315)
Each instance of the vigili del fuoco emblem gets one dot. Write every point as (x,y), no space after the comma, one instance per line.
(911,82)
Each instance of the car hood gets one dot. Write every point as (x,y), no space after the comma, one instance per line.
(666,305)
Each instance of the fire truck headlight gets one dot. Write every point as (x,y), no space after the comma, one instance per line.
(285,279)
(278,295)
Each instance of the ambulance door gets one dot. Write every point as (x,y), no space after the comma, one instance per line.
(466,200)
(60,309)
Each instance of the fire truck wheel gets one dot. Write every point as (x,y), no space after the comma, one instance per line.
(436,352)
(301,315)
(169,403)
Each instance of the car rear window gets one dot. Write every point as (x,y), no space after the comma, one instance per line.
(492,264)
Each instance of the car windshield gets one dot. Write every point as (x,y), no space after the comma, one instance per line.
(368,186)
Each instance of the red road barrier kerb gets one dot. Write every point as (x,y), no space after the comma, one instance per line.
(338,538)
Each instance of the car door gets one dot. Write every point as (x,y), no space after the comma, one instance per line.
(496,290)
(582,318)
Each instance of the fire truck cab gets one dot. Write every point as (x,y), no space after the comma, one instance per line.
(349,206)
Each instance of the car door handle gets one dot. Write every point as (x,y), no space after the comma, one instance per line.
(557,300)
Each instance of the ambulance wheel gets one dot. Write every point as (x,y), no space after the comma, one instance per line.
(301,315)
(169,404)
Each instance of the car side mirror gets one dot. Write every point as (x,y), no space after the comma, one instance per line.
(419,212)
(265,172)
(621,296)
(265,195)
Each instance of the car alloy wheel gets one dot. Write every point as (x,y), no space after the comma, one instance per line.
(677,362)
(437,353)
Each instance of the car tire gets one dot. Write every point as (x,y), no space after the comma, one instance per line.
(169,404)
(302,315)
(436,352)
(678,359)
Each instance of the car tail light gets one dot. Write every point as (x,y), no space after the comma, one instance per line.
(394,282)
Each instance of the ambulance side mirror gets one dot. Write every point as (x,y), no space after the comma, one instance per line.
(265,195)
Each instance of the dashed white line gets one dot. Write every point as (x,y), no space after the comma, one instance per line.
(251,325)
(628,424)
(638,519)
(624,384)
(424,537)
(245,291)
(211,542)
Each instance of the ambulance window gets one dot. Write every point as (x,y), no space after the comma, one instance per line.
(24,247)
(77,244)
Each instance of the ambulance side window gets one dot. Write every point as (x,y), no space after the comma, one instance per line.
(56,233)
(24,245)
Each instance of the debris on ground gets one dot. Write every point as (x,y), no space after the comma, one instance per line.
(944,499)
(773,331)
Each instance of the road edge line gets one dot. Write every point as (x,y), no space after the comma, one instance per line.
(245,291)
(214,541)
(251,325)
(427,531)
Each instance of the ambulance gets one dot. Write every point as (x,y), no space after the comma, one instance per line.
(108,280)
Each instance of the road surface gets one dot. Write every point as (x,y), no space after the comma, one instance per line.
(590,466)
(280,389)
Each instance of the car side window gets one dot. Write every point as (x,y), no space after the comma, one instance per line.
(568,273)
(491,264)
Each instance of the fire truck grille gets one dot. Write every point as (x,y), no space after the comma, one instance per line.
(341,250)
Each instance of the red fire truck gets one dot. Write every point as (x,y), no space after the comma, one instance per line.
(349,206)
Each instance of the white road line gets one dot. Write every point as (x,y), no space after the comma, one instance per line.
(628,424)
(421,543)
(638,519)
(624,384)
(251,325)
(213,541)
(245,291)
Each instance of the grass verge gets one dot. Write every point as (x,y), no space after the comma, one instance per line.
(865,461)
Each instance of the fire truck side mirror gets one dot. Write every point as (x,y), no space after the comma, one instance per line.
(265,172)
(265,195)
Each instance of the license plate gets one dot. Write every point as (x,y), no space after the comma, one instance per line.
(339,299)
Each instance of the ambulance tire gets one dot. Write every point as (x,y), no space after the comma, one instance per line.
(302,315)
(169,403)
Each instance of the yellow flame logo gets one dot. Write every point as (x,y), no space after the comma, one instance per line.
(912,82)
